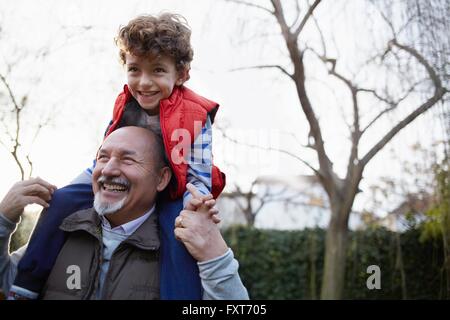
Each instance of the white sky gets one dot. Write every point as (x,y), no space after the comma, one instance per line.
(81,77)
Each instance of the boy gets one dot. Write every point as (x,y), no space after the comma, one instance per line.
(156,53)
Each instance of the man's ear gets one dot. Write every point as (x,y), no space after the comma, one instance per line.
(183,76)
(164,178)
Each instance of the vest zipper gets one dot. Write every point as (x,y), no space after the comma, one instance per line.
(105,284)
(94,284)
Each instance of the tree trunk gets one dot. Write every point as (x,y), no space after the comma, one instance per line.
(335,258)
(312,262)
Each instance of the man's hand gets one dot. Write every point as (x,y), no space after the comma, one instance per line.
(200,235)
(24,193)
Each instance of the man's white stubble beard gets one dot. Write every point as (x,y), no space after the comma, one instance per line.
(104,209)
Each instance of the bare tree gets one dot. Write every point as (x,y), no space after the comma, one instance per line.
(13,127)
(397,55)
(21,121)
(251,201)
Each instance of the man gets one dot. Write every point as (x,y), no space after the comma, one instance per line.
(112,251)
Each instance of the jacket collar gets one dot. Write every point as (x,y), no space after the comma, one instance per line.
(145,237)
(173,101)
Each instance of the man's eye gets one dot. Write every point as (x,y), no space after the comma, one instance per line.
(102,158)
(128,161)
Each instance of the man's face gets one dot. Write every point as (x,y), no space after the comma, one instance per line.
(151,79)
(126,180)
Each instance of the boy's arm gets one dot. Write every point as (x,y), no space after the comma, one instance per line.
(200,162)
(84,177)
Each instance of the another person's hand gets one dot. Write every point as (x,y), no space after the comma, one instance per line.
(23,193)
(200,235)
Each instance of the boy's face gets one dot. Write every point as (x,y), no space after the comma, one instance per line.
(151,79)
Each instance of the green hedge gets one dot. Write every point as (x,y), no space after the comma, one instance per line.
(278,264)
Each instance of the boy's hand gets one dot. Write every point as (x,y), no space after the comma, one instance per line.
(202,203)
(24,193)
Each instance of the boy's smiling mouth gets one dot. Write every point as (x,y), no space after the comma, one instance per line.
(148,93)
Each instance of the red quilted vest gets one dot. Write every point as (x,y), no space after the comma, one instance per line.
(178,115)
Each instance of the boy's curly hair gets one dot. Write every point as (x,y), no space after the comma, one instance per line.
(152,35)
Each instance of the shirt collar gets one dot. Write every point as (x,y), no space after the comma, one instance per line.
(130,227)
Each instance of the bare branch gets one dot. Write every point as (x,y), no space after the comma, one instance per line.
(19,164)
(237,202)
(262,202)
(322,38)
(392,104)
(278,12)
(353,90)
(376,95)
(431,72)
(424,107)
(297,11)
(248,4)
(392,107)
(265,67)
(438,94)
(306,18)
(11,94)
(388,22)
(333,92)
(307,146)
(271,149)
(16,139)
(327,176)
(391,26)
(352,165)
(30,164)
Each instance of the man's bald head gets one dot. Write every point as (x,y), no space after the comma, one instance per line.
(146,140)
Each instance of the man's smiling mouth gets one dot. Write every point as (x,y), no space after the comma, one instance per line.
(113,184)
(114,187)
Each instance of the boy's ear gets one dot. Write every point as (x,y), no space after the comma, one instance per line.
(183,76)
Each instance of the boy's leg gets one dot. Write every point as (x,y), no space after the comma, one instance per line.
(179,272)
(47,239)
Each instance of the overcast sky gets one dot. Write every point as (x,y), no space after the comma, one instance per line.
(80,77)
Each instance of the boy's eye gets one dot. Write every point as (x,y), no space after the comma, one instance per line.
(159,70)
(132,69)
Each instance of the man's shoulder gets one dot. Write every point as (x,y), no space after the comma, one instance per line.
(81,219)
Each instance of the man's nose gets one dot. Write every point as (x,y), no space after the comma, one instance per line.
(111,168)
